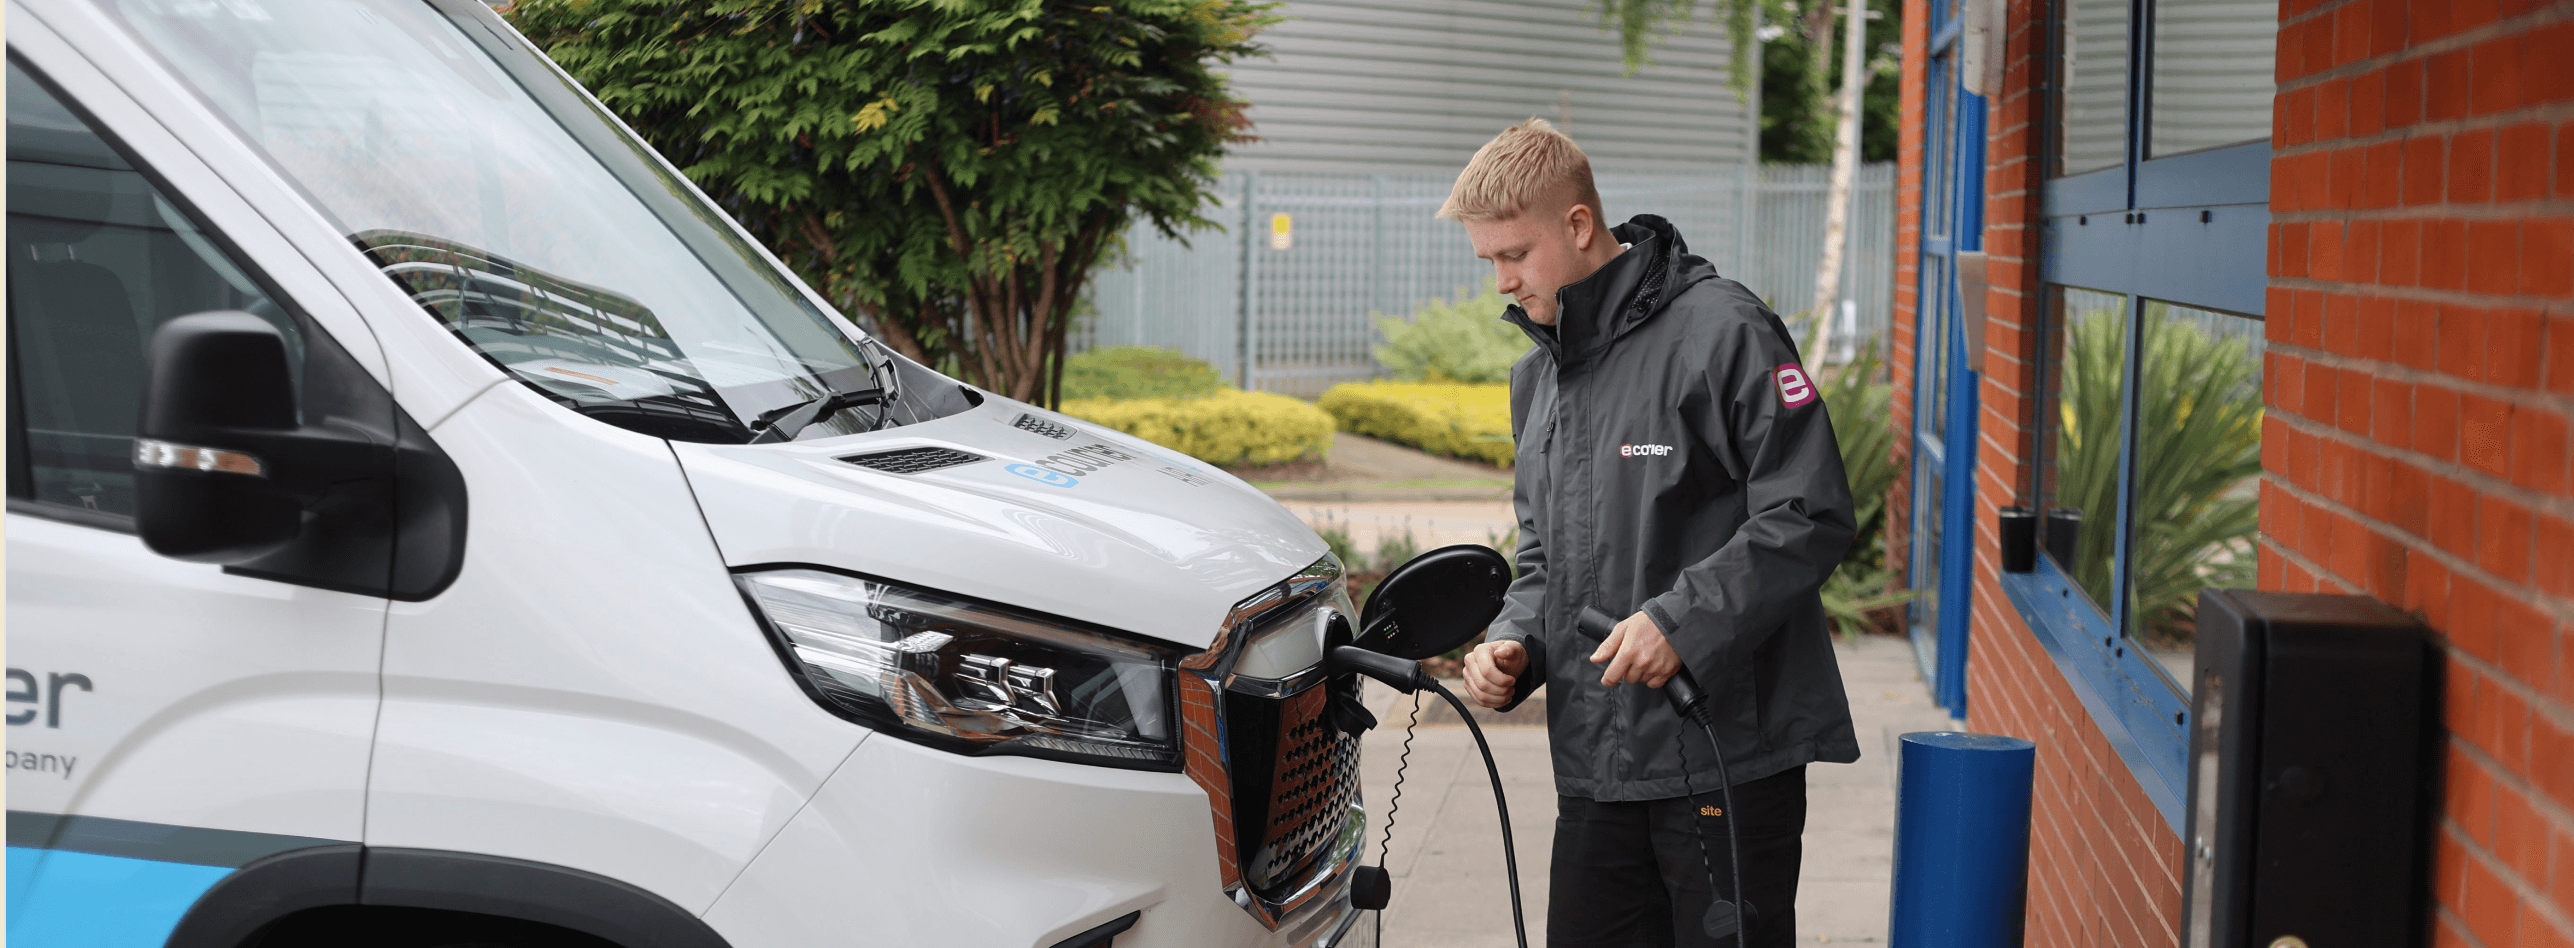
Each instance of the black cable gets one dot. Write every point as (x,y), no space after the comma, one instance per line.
(1510,856)
(1732,817)
(1394,802)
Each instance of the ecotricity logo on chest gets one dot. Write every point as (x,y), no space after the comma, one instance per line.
(1066,469)
(1644,450)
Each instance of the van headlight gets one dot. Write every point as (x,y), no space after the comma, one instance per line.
(968,676)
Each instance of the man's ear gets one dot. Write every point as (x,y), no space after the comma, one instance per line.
(1586,226)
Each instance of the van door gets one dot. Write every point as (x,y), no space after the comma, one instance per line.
(168,722)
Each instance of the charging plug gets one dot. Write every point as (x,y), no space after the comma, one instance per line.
(1402,674)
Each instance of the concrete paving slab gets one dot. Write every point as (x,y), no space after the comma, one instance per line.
(1446,860)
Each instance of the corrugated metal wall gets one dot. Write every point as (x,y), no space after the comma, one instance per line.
(1415,86)
(1367,244)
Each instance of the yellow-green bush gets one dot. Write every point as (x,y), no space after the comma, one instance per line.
(1228,427)
(1464,421)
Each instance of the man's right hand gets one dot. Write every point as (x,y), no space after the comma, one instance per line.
(1492,669)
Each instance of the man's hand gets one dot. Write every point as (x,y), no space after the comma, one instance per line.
(1635,651)
(1491,671)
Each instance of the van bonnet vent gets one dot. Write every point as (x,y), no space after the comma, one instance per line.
(1041,426)
(913,460)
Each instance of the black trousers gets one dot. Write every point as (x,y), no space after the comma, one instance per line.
(1630,875)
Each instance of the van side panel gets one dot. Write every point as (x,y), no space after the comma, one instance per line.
(592,691)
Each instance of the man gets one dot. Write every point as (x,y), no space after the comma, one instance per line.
(1676,468)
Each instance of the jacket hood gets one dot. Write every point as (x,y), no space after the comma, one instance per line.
(1044,512)
(1623,294)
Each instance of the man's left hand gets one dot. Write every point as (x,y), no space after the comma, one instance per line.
(1636,651)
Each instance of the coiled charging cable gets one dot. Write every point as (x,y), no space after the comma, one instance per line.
(1407,676)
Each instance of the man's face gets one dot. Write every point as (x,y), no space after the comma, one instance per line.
(1541,251)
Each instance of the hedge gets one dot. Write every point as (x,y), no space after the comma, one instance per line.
(1229,427)
(1463,421)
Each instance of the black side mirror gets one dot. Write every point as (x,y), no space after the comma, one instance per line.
(1435,602)
(223,468)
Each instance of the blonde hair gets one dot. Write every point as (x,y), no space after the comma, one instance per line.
(1521,168)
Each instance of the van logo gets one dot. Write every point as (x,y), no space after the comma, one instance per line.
(1079,462)
(1794,388)
(1043,476)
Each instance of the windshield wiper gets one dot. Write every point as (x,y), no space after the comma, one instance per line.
(783,424)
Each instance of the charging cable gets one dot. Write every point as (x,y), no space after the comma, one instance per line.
(1407,676)
(1687,700)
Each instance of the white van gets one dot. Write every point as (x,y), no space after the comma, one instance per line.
(433,522)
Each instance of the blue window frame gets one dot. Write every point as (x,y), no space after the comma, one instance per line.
(2153,244)
(1941,563)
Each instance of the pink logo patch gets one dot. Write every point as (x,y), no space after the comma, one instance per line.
(1794,388)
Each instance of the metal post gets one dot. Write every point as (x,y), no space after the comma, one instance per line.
(1250,282)
(1961,840)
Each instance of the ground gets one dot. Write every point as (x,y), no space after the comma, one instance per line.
(1445,854)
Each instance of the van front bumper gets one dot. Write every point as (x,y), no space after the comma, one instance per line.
(907,845)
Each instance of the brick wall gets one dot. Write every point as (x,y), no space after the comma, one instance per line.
(1908,234)
(2421,376)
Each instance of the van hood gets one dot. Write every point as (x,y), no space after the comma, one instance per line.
(1014,504)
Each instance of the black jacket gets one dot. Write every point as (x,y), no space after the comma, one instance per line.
(1674,458)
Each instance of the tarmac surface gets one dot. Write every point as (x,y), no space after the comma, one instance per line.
(1446,857)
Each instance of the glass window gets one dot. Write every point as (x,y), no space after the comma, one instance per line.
(2082,515)
(2197,471)
(534,228)
(2093,105)
(99,259)
(2212,78)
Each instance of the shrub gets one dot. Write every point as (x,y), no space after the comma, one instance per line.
(1464,421)
(1858,594)
(1138,372)
(1227,427)
(1461,342)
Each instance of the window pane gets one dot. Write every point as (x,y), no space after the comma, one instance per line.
(2094,104)
(2212,73)
(2081,527)
(100,259)
(2198,471)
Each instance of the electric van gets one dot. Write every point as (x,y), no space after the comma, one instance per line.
(432,521)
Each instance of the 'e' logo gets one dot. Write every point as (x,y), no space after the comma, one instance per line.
(1043,476)
(1794,388)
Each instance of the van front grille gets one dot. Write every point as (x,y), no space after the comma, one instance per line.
(913,460)
(1295,777)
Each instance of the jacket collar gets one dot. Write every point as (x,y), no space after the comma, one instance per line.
(1622,294)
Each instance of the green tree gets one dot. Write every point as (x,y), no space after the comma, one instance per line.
(947,171)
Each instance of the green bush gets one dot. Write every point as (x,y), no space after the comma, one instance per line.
(1138,372)
(1461,342)
(1463,421)
(1860,403)
(1229,427)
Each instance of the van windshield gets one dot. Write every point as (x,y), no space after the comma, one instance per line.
(533,226)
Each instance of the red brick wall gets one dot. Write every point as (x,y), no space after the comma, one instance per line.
(2421,325)
(1908,233)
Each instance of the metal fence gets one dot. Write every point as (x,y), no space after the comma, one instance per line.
(1357,246)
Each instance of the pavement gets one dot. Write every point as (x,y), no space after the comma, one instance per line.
(1446,858)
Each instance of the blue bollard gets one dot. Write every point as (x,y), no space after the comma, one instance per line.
(1961,840)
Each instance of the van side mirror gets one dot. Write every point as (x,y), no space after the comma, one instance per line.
(223,467)
(1435,602)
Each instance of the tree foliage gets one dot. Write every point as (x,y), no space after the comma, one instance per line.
(946,171)
(1799,66)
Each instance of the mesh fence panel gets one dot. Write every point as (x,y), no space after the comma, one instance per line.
(1357,246)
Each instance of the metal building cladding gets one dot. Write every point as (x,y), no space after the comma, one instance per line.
(2282,294)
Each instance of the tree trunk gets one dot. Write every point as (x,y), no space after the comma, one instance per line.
(1845,166)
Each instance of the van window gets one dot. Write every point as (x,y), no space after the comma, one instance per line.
(99,258)
(526,220)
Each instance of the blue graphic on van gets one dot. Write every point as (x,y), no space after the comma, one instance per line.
(1043,476)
